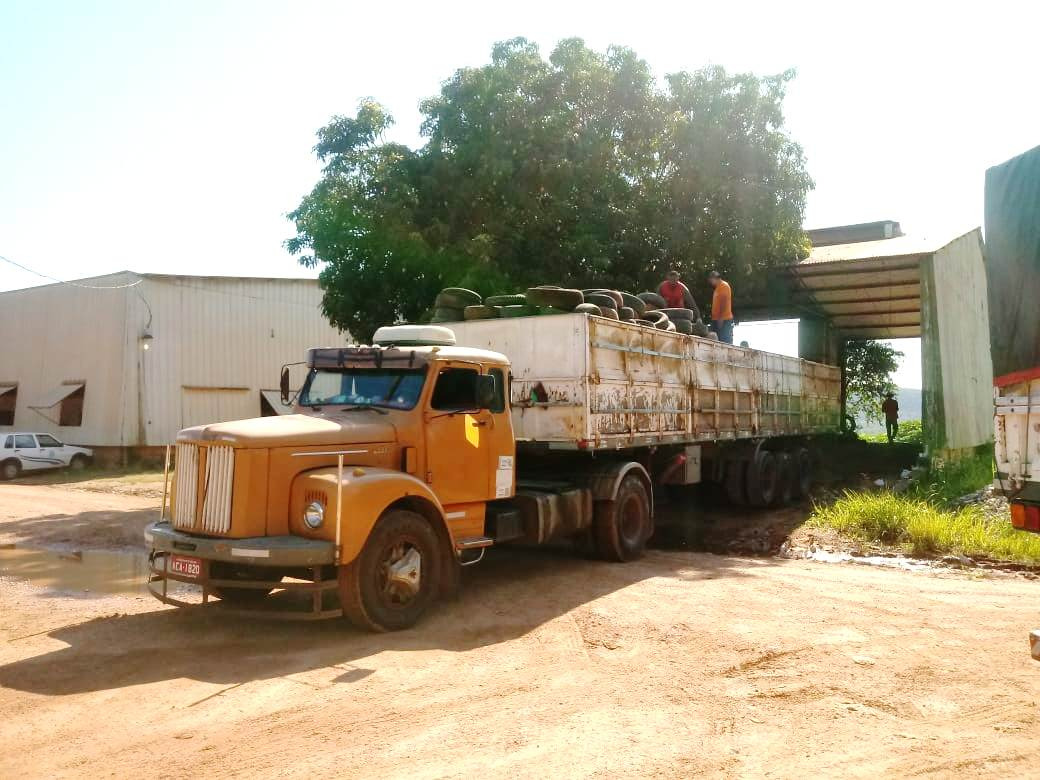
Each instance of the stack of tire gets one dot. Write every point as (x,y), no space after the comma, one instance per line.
(657,314)
(451,304)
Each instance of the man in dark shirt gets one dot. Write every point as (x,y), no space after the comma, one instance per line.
(890,406)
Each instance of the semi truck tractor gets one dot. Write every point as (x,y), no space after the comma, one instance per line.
(407,459)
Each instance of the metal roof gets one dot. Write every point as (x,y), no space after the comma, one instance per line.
(869,289)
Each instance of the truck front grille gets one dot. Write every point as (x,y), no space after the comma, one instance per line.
(215,514)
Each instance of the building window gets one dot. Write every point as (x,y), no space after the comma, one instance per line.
(71,414)
(8,399)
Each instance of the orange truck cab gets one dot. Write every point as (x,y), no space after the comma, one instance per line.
(398,468)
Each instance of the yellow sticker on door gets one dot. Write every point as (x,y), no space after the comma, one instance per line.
(472,431)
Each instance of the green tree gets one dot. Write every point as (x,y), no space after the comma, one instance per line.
(869,366)
(577,170)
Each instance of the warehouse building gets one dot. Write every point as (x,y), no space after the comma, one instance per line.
(124,361)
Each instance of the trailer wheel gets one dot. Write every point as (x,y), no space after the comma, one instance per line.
(394,580)
(736,474)
(623,525)
(803,473)
(761,479)
(786,476)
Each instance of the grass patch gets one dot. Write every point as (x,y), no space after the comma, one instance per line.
(949,481)
(922,528)
(124,475)
(910,432)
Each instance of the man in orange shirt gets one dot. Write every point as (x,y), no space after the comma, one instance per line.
(721,307)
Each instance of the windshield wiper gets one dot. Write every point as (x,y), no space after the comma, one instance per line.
(359,407)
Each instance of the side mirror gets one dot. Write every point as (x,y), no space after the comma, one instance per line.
(284,385)
(486,391)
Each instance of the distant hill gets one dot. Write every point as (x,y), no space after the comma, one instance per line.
(909,399)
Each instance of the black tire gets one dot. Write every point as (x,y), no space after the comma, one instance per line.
(644,323)
(457,298)
(518,311)
(667,325)
(785,479)
(626,314)
(652,299)
(803,473)
(622,526)
(78,462)
(505,300)
(762,479)
(602,300)
(736,477)
(10,469)
(556,297)
(609,313)
(369,598)
(634,302)
(588,308)
(445,314)
(550,310)
(698,328)
(481,312)
(614,295)
(684,326)
(220,570)
(680,314)
(655,316)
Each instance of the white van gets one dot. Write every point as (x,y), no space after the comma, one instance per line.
(36,451)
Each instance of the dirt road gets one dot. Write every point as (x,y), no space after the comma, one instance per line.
(679,664)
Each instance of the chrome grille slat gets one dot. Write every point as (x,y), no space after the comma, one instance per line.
(186,475)
(220,473)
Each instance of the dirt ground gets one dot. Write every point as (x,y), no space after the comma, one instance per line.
(682,663)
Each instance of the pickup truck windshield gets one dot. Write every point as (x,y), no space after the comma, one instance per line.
(389,388)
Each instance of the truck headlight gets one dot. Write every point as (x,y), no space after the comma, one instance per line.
(314,514)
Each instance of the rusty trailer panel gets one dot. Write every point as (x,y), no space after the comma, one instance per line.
(587,382)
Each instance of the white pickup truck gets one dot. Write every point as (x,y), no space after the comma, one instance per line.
(37,451)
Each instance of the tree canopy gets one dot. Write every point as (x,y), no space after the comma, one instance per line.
(577,170)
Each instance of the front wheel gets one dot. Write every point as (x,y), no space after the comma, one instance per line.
(622,526)
(78,462)
(394,580)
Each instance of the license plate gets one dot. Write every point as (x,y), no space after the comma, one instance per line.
(186,566)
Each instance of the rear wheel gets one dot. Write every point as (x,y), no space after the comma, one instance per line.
(10,469)
(761,479)
(394,580)
(803,473)
(785,479)
(622,526)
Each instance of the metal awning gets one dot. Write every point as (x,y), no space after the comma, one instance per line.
(869,289)
(274,397)
(56,396)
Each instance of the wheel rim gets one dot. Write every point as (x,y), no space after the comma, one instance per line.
(400,573)
(10,471)
(631,519)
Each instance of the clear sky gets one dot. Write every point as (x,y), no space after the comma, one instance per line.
(174,137)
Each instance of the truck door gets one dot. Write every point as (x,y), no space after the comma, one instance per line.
(501,444)
(457,441)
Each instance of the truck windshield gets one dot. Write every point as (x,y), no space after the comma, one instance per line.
(389,388)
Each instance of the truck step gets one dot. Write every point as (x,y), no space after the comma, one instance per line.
(474,542)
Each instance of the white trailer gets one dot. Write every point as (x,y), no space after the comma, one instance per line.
(1016,422)
(675,402)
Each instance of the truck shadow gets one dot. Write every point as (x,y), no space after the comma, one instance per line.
(511,594)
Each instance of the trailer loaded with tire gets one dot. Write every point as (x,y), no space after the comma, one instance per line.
(408,458)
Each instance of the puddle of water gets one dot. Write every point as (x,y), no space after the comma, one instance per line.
(90,572)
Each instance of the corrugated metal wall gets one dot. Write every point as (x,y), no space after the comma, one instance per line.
(955,346)
(59,333)
(217,342)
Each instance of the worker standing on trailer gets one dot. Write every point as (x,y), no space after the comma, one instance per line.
(890,406)
(721,307)
(676,294)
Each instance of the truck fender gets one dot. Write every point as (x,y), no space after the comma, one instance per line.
(605,482)
(367,494)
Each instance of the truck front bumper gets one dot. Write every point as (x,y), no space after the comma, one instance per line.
(296,565)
